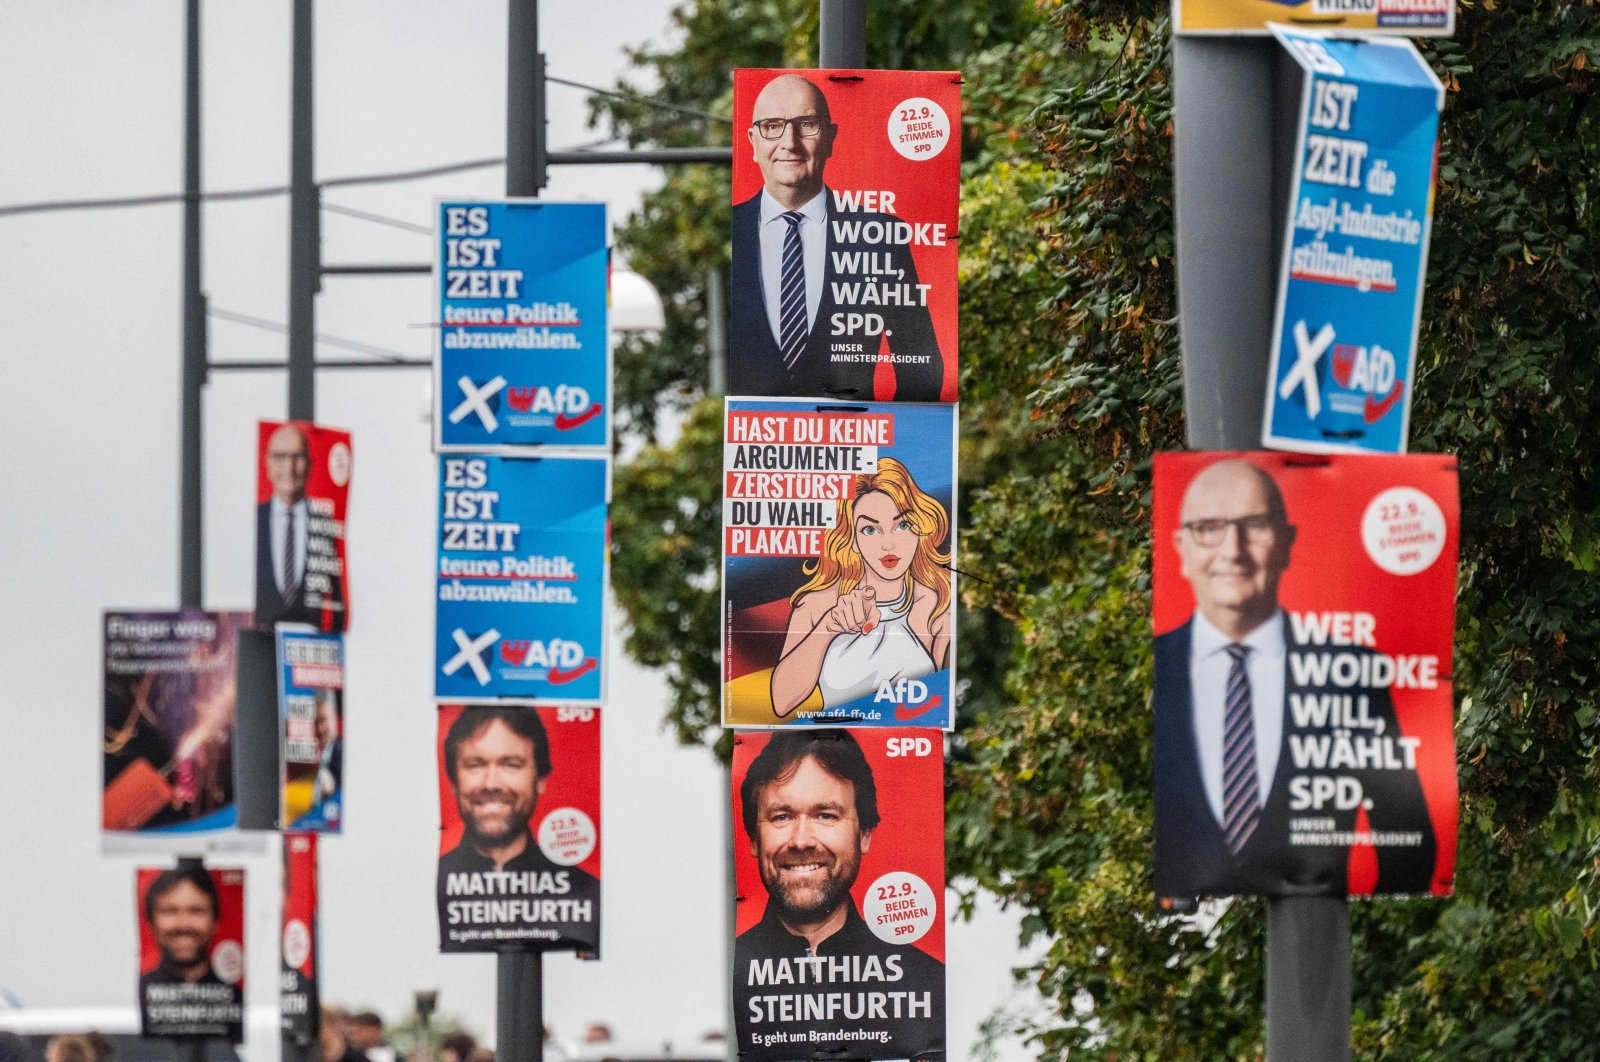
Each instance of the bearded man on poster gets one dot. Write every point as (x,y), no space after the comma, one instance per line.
(809,804)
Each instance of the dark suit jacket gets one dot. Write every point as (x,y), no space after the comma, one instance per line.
(755,366)
(270,606)
(1192,858)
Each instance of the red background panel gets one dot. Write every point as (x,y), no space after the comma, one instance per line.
(574,780)
(1330,571)
(230,917)
(861,103)
(909,838)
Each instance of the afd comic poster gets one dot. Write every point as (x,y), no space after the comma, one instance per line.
(311,712)
(1409,18)
(302,491)
(523,360)
(519,841)
(171,684)
(845,200)
(1355,247)
(297,941)
(838,539)
(191,951)
(1304,612)
(521,579)
(839,914)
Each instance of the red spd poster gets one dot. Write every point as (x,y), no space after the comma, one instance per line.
(519,843)
(297,942)
(845,198)
(839,862)
(191,951)
(302,487)
(1304,611)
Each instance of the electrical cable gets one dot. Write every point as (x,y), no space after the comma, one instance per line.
(321,337)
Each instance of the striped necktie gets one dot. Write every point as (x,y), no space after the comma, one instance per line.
(1241,791)
(793,329)
(290,584)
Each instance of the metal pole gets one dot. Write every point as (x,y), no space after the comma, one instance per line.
(1308,979)
(519,1007)
(1226,92)
(842,43)
(519,977)
(191,592)
(304,254)
(717,331)
(525,114)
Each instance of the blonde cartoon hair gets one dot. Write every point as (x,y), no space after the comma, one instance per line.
(841,565)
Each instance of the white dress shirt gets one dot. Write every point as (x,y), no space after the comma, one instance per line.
(279,519)
(1209,665)
(813,245)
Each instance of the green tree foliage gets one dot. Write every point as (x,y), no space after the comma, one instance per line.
(1054,808)
(667,507)
(1070,382)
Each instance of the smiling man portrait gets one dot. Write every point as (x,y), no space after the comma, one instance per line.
(788,246)
(1226,820)
(809,805)
(497,763)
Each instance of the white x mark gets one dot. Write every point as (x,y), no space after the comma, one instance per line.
(1306,353)
(471,654)
(477,401)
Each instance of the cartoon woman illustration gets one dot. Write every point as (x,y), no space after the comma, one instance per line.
(877,607)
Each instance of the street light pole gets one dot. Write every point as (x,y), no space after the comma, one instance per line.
(519,975)
(191,592)
(304,253)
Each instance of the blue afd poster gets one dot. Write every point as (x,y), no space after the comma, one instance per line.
(311,742)
(523,357)
(1356,246)
(521,579)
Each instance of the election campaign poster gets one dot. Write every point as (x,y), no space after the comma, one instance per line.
(838,850)
(519,840)
(1355,247)
(523,357)
(838,539)
(191,951)
(845,200)
(302,489)
(1410,18)
(311,711)
(167,745)
(521,579)
(297,941)
(1304,611)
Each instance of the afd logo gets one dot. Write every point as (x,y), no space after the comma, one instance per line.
(1370,369)
(909,696)
(563,660)
(569,405)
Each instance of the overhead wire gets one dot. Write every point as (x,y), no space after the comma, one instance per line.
(237,194)
(321,337)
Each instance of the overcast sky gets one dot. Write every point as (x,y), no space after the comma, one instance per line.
(91,106)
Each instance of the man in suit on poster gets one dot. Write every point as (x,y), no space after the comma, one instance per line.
(789,241)
(1224,821)
(283,531)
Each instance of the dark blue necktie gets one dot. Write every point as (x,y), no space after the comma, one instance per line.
(290,584)
(1241,790)
(793,330)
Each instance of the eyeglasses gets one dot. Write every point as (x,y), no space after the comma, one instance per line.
(807,125)
(1258,529)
